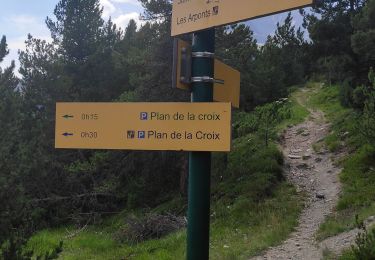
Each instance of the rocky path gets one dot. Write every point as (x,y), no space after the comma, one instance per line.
(313,173)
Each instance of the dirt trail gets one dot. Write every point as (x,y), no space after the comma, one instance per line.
(315,174)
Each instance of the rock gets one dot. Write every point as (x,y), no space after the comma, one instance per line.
(292,156)
(302,166)
(345,134)
(306,157)
(320,196)
(300,130)
(305,134)
(318,160)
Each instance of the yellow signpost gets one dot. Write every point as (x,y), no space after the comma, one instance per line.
(227,91)
(144,126)
(194,15)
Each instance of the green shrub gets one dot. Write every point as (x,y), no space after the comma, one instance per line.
(359,97)
(244,123)
(364,248)
(263,120)
(358,181)
(367,125)
(12,249)
(346,94)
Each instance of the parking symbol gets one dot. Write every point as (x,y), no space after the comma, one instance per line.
(131,134)
(144,116)
(141,134)
(215,10)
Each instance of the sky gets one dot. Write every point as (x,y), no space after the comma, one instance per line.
(21,17)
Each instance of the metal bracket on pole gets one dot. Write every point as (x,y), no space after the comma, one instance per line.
(203,54)
(182,64)
(185,66)
(206,79)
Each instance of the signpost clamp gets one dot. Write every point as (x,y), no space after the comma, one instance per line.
(203,54)
(206,79)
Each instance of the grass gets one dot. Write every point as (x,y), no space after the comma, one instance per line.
(96,244)
(251,211)
(343,120)
(364,248)
(346,255)
(252,208)
(254,227)
(298,111)
(239,230)
(328,255)
(357,177)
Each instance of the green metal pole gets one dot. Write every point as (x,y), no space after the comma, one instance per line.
(200,162)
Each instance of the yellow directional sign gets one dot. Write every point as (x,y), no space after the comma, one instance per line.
(180,47)
(144,126)
(229,91)
(194,15)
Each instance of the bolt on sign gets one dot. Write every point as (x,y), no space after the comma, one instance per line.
(195,15)
(144,126)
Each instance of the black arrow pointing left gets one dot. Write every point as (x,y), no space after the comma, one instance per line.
(67,134)
(68,116)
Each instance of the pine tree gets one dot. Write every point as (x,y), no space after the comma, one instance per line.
(330,29)
(292,46)
(3,48)
(363,40)
(87,43)
(237,47)
(11,210)
(77,29)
